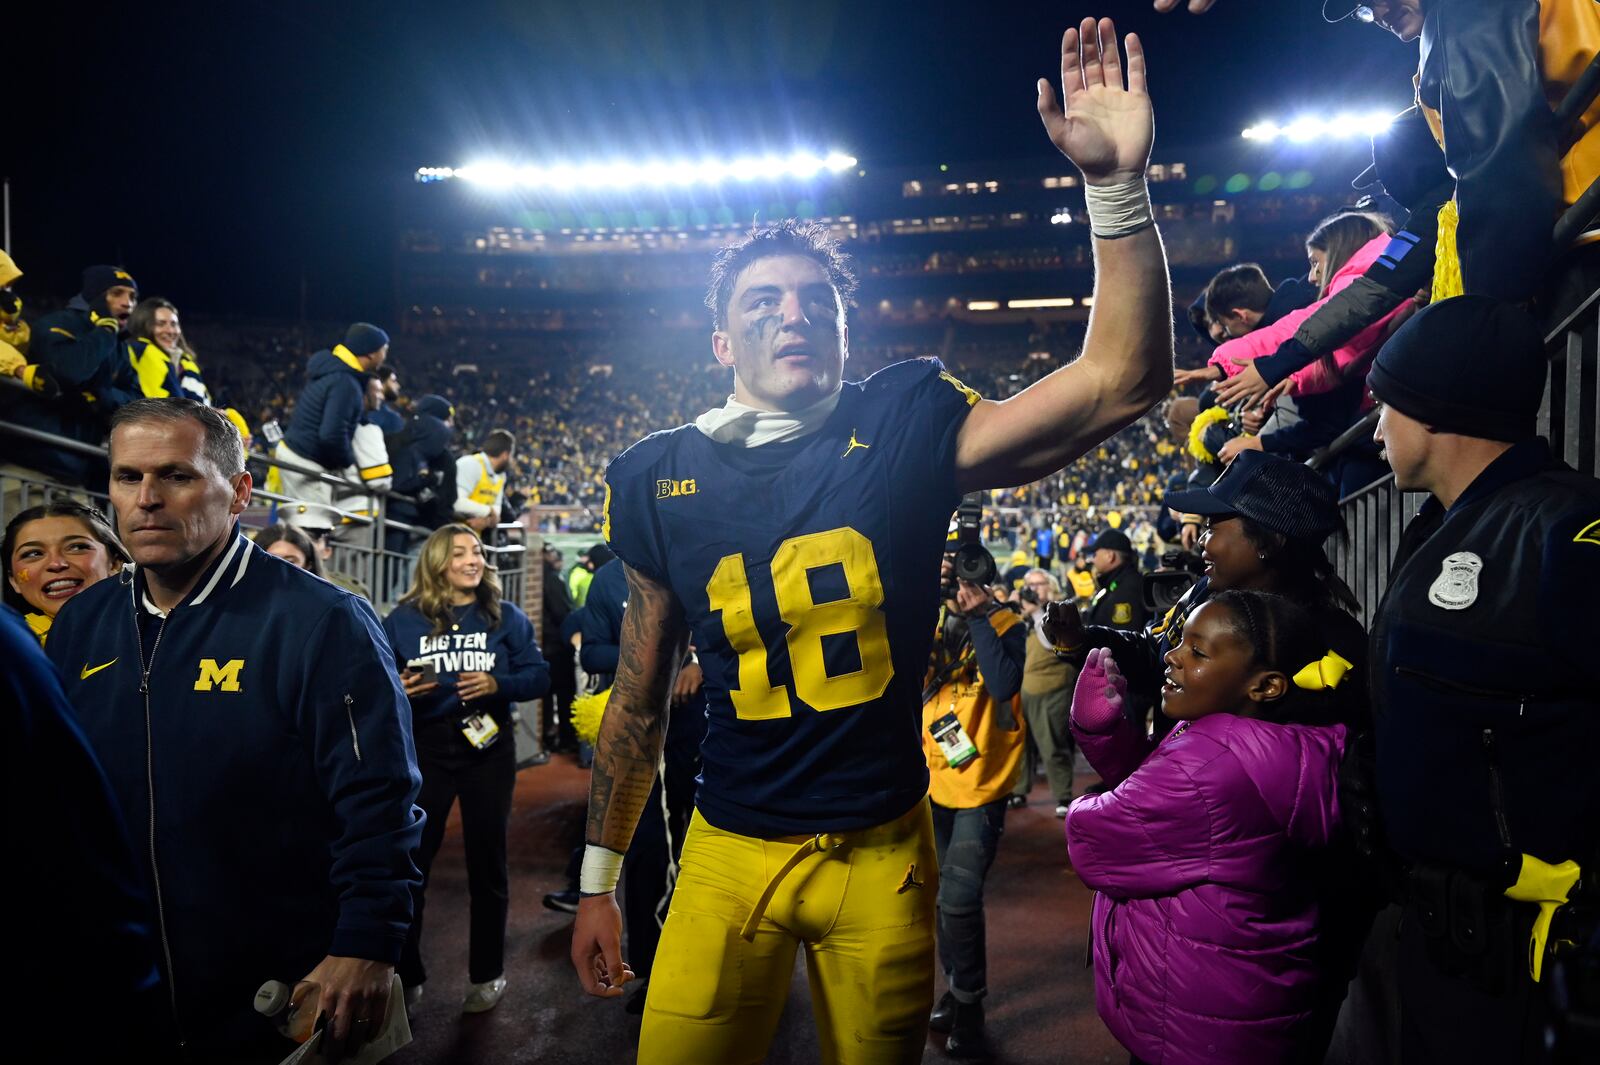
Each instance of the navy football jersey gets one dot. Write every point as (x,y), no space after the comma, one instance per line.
(808,571)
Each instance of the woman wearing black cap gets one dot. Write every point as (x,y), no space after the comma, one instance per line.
(1265,521)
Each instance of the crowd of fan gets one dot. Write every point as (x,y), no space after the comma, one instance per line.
(568,418)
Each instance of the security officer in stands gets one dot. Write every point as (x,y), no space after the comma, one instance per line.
(1119,601)
(1487,717)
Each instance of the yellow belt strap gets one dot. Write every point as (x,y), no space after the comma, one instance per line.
(814,845)
(1546,886)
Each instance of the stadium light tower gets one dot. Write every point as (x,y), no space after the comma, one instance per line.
(646,173)
(1304,129)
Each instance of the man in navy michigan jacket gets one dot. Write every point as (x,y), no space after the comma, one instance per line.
(257,738)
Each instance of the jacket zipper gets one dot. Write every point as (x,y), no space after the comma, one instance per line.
(1496,790)
(150,785)
(1457,687)
(350,715)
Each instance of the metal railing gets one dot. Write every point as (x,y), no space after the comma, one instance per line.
(360,554)
(1568,418)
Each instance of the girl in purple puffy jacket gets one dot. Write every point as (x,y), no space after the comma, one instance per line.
(1204,851)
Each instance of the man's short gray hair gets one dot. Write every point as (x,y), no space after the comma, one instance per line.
(222,444)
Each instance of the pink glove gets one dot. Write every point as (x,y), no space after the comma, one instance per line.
(1102,690)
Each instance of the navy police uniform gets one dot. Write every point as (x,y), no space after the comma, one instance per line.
(1119,603)
(808,571)
(1487,723)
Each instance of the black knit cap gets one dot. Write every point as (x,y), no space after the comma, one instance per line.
(97,280)
(1469,365)
(437,406)
(363,338)
(1286,497)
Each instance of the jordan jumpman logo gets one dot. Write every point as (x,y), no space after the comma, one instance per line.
(854,443)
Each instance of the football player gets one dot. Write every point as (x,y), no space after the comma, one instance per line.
(793,533)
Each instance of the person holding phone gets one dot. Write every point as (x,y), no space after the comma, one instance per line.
(469,655)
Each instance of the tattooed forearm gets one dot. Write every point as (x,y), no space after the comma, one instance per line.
(654,638)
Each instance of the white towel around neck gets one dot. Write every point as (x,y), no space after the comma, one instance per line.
(747,426)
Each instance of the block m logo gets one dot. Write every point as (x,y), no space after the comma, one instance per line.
(224,677)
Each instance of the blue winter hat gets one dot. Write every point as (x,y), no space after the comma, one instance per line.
(437,406)
(1286,497)
(364,338)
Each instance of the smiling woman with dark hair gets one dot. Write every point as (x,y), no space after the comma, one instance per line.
(52,552)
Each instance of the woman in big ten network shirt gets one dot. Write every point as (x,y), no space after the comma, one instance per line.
(466,656)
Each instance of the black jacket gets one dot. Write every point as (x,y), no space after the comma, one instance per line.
(1119,604)
(424,469)
(96,377)
(81,892)
(1481,72)
(1482,672)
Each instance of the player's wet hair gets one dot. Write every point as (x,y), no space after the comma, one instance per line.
(788,237)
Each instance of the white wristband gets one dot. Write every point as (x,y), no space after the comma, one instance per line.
(1118,210)
(602,868)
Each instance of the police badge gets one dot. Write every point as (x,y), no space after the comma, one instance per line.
(1456,587)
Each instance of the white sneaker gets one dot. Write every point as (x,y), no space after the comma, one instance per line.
(481,998)
(413,996)
(1061,809)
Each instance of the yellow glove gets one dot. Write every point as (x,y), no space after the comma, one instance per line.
(1546,886)
(104,321)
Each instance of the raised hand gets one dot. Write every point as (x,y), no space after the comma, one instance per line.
(1061,626)
(1107,126)
(1100,694)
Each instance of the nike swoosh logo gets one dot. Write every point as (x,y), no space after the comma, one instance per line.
(87,672)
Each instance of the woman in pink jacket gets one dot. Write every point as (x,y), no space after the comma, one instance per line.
(1340,249)
(1205,852)
(1330,392)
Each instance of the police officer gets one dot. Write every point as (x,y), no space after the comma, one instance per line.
(1486,715)
(1119,602)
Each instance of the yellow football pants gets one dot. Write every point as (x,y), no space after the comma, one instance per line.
(863,906)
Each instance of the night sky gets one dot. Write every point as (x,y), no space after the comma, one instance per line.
(222,151)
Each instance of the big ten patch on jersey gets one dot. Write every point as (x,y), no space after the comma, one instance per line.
(456,652)
(809,573)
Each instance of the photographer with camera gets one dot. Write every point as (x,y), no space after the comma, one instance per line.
(1046,702)
(973,739)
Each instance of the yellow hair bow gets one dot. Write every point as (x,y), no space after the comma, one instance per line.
(1323,674)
